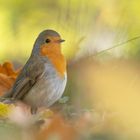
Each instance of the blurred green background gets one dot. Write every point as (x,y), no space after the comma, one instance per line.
(107,90)
(87,26)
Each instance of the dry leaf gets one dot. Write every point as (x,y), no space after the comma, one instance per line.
(58,128)
(7,77)
(5,109)
(8,69)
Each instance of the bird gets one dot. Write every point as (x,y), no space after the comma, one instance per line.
(43,78)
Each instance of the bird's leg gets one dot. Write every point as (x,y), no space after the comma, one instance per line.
(33,110)
(39,122)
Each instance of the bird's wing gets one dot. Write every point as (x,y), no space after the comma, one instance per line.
(27,78)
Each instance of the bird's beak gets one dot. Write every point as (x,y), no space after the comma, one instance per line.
(61,40)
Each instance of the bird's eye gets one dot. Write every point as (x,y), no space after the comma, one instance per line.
(47,40)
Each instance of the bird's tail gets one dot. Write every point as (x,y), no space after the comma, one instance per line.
(6,98)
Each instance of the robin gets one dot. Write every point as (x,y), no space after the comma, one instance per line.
(42,80)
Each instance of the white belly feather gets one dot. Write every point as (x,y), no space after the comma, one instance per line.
(48,89)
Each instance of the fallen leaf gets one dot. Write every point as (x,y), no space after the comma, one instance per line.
(58,128)
(5,109)
(7,76)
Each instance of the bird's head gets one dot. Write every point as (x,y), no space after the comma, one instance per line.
(48,41)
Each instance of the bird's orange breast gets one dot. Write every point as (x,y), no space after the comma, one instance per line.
(55,56)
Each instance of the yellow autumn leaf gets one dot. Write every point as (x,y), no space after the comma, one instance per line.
(5,109)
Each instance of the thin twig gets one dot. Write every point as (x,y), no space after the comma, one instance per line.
(115,46)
